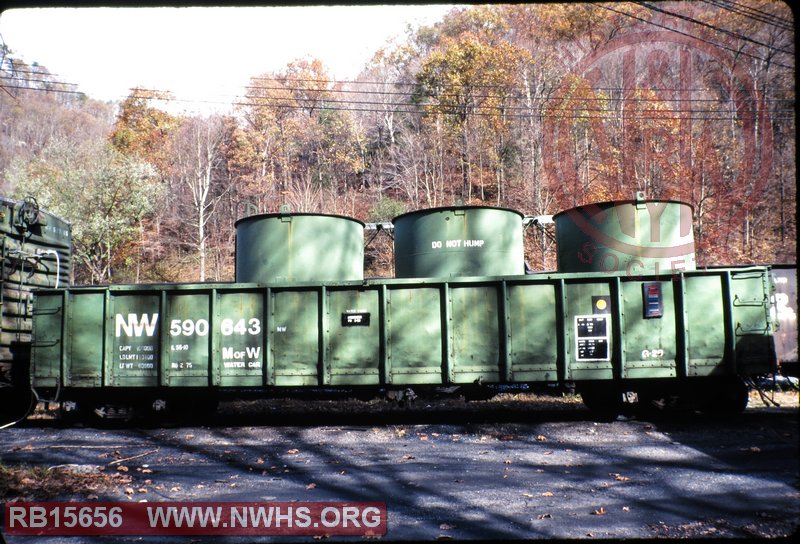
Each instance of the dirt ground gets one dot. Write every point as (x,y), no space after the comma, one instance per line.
(47,483)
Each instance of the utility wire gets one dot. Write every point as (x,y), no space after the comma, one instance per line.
(563,114)
(323,104)
(665,115)
(403,107)
(760,12)
(752,13)
(36,72)
(64,91)
(397,84)
(14,77)
(333,92)
(30,80)
(4,50)
(330,93)
(712,27)
(691,36)
(496,96)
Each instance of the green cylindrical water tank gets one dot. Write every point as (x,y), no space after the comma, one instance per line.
(458,241)
(284,247)
(638,237)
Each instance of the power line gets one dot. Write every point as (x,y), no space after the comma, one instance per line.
(336,97)
(30,80)
(712,27)
(14,77)
(500,97)
(392,83)
(420,110)
(36,72)
(4,86)
(691,36)
(761,12)
(276,101)
(633,93)
(4,50)
(329,103)
(753,13)
(564,114)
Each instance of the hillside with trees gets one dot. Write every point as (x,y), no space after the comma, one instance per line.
(534,107)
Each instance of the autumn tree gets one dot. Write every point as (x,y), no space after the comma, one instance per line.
(143,130)
(104,194)
(299,141)
(198,183)
(471,84)
(262,154)
(36,108)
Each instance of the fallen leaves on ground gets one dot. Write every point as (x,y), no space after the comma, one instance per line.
(39,483)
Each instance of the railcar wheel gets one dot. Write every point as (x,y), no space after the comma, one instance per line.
(603,400)
(477,393)
(724,397)
(199,410)
(657,404)
(15,405)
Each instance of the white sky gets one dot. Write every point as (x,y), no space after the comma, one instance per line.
(201,53)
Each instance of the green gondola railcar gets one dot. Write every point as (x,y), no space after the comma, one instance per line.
(163,341)
(639,318)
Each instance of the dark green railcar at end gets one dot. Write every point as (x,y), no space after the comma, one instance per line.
(35,252)
(682,334)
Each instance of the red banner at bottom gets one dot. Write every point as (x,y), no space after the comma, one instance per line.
(196,518)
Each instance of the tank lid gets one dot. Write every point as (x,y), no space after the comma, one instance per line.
(295,214)
(613,203)
(453,209)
